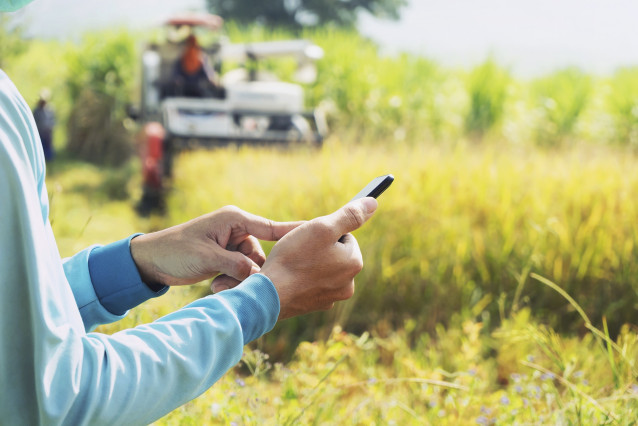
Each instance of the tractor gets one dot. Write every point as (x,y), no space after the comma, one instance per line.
(244,105)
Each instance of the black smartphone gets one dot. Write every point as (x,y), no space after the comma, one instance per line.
(376,187)
(373,189)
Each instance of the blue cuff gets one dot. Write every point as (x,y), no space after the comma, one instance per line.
(256,304)
(115,277)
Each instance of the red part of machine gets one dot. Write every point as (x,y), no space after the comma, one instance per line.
(152,154)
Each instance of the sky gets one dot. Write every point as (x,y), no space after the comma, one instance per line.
(531,37)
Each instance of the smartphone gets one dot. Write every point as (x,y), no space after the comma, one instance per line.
(376,187)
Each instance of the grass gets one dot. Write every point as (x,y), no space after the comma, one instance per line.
(459,376)
(461,227)
(480,300)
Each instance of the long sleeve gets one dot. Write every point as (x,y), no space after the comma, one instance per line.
(104,292)
(51,370)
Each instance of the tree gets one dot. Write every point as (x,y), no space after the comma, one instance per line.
(300,13)
(11,42)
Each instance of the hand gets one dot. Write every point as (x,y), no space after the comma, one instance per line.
(312,266)
(224,241)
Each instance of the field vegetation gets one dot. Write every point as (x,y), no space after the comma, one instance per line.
(500,281)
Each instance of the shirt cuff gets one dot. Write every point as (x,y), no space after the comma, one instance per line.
(116,280)
(256,304)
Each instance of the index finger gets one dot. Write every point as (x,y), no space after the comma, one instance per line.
(266,229)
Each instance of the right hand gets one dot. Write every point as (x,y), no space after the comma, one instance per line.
(312,266)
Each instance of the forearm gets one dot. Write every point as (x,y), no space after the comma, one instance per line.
(138,375)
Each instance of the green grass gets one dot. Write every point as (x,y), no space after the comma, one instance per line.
(487,87)
(460,227)
(454,319)
(522,373)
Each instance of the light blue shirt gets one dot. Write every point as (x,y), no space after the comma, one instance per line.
(53,369)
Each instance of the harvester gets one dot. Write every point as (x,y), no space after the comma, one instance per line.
(244,105)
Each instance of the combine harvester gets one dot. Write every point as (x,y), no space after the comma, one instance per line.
(243,106)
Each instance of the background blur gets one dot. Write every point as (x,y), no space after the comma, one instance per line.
(500,281)
(530,37)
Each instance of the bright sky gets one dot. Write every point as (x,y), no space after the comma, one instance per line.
(530,36)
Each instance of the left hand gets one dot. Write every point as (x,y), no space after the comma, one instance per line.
(222,242)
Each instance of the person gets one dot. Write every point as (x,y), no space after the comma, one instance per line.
(54,369)
(192,74)
(45,121)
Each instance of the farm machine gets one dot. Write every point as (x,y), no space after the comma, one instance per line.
(244,105)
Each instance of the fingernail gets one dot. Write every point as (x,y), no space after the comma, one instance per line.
(255,269)
(370,204)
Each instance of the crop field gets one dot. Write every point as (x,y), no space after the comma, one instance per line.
(452,321)
(500,283)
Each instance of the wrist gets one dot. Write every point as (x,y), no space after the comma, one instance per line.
(143,260)
(116,279)
(278,278)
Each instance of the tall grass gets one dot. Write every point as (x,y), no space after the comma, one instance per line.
(457,377)
(560,100)
(432,253)
(460,230)
(487,88)
(623,105)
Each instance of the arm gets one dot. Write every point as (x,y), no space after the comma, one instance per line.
(138,375)
(57,373)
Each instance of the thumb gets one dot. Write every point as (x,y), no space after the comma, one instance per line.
(351,216)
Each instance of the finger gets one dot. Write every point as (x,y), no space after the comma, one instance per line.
(349,217)
(354,257)
(234,263)
(251,248)
(345,292)
(266,229)
(223,282)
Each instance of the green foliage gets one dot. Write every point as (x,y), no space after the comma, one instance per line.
(302,13)
(103,70)
(11,41)
(35,69)
(460,376)
(623,105)
(487,89)
(560,99)
(368,97)
(388,98)
(104,62)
